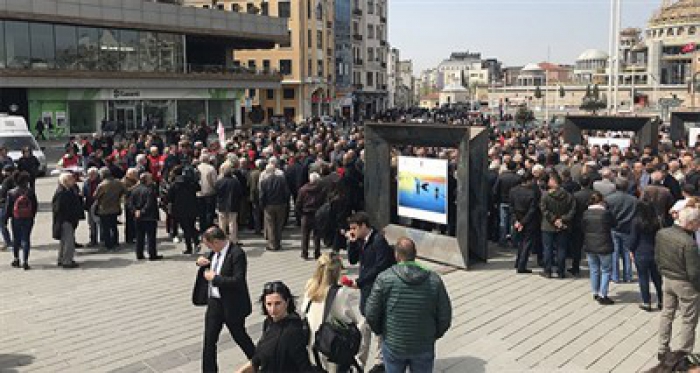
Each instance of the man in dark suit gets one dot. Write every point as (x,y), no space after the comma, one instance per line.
(221,285)
(143,201)
(524,203)
(368,247)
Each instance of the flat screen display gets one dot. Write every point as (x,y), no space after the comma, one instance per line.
(422,189)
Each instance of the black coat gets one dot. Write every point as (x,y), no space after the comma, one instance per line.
(30,165)
(182,194)
(229,194)
(232,284)
(597,231)
(282,347)
(374,257)
(504,183)
(525,204)
(582,198)
(144,198)
(67,206)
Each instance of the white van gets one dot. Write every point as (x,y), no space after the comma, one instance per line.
(15,135)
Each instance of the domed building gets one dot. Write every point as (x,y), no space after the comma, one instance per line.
(591,67)
(674,26)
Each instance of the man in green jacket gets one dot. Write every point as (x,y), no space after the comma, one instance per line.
(409,307)
(678,260)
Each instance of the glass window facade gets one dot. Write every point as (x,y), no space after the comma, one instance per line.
(191,111)
(17,44)
(37,45)
(43,46)
(88,48)
(66,47)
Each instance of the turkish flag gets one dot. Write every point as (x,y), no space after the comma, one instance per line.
(689,48)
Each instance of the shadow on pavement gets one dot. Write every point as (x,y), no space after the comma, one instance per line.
(8,362)
(461,364)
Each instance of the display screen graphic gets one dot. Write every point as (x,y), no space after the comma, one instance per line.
(422,189)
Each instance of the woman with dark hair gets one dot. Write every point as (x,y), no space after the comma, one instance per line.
(643,239)
(282,347)
(597,225)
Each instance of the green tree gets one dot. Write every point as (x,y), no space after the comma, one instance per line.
(524,115)
(562,92)
(538,92)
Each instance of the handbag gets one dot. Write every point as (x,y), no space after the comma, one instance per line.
(337,341)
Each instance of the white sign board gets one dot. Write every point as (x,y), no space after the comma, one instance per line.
(600,141)
(693,136)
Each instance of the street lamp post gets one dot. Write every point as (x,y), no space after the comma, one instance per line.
(693,83)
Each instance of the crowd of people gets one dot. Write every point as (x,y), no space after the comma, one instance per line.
(624,208)
(633,212)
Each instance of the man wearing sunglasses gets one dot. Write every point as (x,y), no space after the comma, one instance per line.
(222,286)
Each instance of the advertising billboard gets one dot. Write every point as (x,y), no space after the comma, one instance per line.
(422,189)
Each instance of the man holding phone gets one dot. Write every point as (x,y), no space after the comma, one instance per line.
(368,247)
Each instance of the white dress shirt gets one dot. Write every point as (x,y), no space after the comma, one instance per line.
(216,263)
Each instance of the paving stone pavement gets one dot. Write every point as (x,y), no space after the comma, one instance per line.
(115,314)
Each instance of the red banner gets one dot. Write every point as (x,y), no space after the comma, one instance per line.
(689,48)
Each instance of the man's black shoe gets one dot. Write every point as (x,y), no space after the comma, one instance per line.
(140,258)
(596,297)
(70,266)
(561,276)
(188,252)
(79,245)
(546,275)
(573,272)
(379,368)
(605,301)
(157,257)
(15,263)
(524,271)
(26,267)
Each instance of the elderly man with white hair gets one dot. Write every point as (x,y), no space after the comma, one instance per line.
(606,186)
(678,260)
(67,212)
(207,194)
(274,200)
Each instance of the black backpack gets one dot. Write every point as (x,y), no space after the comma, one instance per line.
(337,341)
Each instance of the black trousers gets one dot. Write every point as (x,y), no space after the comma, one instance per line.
(129,226)
(213,323)
(527,238)
(146,232)
(308,227)
(110,234)
(187,225)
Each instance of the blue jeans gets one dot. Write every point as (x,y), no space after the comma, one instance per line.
(3,229)
(505,225)
(417,363)
(647,270)
(22,231)
(621,242)
(600,267)
(555,241)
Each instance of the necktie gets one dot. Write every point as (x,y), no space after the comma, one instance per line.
(217,265)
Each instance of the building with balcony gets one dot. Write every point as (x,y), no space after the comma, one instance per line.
(344,57)
(672,27)
(371,51)
(76,65)
(307,61)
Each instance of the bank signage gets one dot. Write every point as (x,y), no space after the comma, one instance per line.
(125,94)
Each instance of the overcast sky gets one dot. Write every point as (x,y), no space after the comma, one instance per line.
(514,31)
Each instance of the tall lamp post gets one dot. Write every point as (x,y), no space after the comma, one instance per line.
(693,88)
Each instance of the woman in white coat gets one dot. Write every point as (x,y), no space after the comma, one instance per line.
(328,269)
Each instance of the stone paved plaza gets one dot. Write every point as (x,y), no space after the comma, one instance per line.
(115,314)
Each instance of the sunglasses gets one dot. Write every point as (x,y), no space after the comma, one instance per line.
(270,287)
